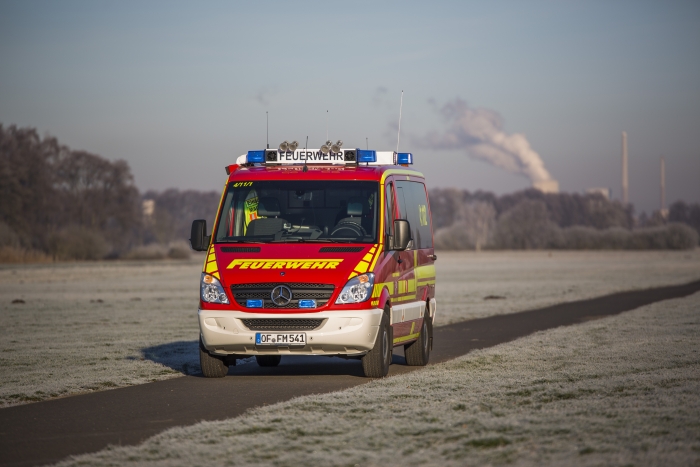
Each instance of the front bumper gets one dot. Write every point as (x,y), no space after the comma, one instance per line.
(343,332)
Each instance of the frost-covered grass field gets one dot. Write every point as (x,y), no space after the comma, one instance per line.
(526,280)
(623,390)
(93,326)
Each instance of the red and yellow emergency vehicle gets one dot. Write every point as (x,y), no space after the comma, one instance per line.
(318,252)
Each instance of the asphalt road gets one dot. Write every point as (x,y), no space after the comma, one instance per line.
(46,432)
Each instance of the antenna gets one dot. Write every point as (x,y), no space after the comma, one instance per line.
(326,125)
(267,137)
(367,140)
(398,137)
(306,167)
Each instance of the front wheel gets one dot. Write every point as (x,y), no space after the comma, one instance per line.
(418,352)
(375,363)
(212,366)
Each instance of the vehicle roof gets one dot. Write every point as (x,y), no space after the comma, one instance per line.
(320,172)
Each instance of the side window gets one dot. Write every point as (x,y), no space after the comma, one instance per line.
(389,215)
(413,204)
(425,231)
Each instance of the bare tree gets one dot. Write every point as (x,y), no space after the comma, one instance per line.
(527,226)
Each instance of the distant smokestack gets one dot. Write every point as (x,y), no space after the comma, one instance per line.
(663,186)
(625,181)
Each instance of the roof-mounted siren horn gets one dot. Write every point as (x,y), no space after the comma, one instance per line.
(271,156)
(284,146)
(336,147)
(404,158)
(255,157)
(292,146)
(350,155)
(326,148)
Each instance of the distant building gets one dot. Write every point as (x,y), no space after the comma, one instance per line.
(148,206)
(599,191)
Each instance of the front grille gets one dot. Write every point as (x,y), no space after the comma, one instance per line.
(319,292)
(274,324)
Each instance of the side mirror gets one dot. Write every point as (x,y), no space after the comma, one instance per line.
(198,235)
(402,234)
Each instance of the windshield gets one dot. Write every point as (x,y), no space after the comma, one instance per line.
(299,211)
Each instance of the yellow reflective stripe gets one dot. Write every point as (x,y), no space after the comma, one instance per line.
(380,285)
(410,336)
(376,258)
(415,173)
(425,272)
(215,227)
(404,298)
(406,338)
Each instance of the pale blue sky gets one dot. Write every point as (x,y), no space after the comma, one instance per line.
(179,89)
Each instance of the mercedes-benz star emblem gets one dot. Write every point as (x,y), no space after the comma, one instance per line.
(281,295)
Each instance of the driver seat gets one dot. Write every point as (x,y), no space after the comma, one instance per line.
(269,223)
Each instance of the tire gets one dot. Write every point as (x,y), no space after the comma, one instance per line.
(212,366)
(268,360)
(418,352)
(375,363)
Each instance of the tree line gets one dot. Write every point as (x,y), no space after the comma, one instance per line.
(59,203)
(530,219)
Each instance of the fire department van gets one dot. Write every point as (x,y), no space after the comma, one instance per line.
(318,252)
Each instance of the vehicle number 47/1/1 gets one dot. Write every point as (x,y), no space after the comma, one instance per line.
(287,338)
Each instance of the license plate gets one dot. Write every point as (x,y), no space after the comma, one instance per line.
(280,338)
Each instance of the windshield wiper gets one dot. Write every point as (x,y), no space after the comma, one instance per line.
(288,240)
(244,241)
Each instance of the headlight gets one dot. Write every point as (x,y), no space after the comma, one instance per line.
(358,289)
(211,290)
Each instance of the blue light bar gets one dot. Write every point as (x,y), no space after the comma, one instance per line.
(364,155)
(256,157)
(254,303)
(307,303)
(404,158)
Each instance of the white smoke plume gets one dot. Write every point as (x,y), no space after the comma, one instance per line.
(480,133)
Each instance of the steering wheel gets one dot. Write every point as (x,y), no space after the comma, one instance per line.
(356,230)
